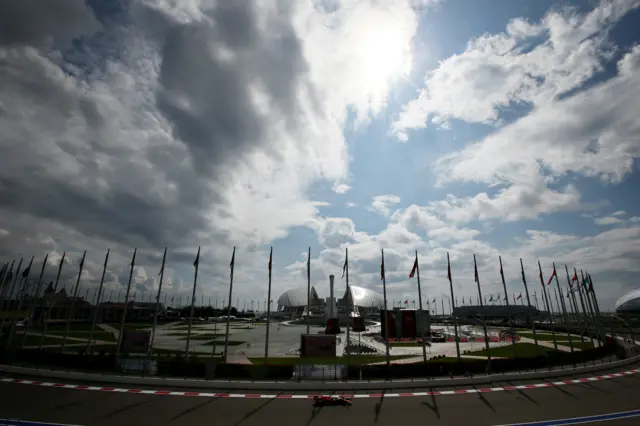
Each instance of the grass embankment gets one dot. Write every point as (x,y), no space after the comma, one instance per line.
(352,360)
(523,350)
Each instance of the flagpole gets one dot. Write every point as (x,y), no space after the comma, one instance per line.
(6,279)
(155,318)
(8,301)
(348,294)
(196,263)
(97,307)
(453,305)
(52,302)
(73,303)
(591,312)
(506,298)
(41,304)
(563,306)
(22,292)
(597,307)
(124,309)
(386,315)
(3,285)
(484,320)
(550,312)
(266,343)
(586,320)
(424,345)
(309,291)
(533,320)
(232,267)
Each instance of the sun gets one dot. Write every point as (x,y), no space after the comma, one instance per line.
(383,56)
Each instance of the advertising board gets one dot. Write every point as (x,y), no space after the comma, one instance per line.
(312,345)
(136,341)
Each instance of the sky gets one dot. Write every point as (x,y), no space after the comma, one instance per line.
(496,129)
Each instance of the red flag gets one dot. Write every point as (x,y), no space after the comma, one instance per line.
(475,271)
(414,269)
(519,297)
(448,269)
(575,277)
(554,274)
(270,258)
(382,268)
(406,302)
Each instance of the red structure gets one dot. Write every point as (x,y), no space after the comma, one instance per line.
(405,323)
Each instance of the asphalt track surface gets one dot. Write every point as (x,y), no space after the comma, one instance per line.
(82,407)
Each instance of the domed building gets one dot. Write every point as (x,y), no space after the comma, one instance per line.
(363,302)
(629,303)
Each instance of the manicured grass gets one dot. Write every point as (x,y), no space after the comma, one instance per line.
(98,334)
(579,345)
(523,350)
(548,337)
(353,360)
(35,340)
(221,343)
(202,336)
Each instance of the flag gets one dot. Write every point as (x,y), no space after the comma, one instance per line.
(519,297)
(490,298)
(382,267)
(434,300)
(406,302)
(413,301)
(575,278)
(197,261)
(270,259)
(415,268)
(554,274)
(25,273)
(501,271)
(346,262)
(475,271)
(233,259)
(448,269)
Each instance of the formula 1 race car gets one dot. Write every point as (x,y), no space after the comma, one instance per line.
(323,401)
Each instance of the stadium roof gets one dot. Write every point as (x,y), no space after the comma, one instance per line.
(360,296)
(629,301)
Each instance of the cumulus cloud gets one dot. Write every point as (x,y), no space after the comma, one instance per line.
(182,124)
(382,204)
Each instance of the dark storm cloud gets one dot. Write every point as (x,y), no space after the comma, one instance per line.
(36,22)
(208,97)
(57,194)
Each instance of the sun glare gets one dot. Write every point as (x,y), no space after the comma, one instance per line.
(383,56)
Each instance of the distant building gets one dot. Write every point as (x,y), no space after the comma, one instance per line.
(498,312)
(629,303)
(356,301)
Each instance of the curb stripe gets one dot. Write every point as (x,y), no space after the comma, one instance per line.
(305,396)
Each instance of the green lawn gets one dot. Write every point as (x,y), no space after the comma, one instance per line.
(34,340)
(523,350)
(579,345)
(221,343)
(549,337)
(98,334)
(353,360)
(206,336)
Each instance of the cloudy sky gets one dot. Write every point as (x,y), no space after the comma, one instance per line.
(495,128)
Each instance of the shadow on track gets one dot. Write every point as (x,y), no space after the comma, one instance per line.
(130,407)
(564,391)
(433,405)
(485,402)
(378,408)
(255,410)
(192,409)
(524,394)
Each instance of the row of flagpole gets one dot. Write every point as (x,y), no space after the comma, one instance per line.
(588,301)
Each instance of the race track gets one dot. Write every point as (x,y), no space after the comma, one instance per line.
(84,407)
